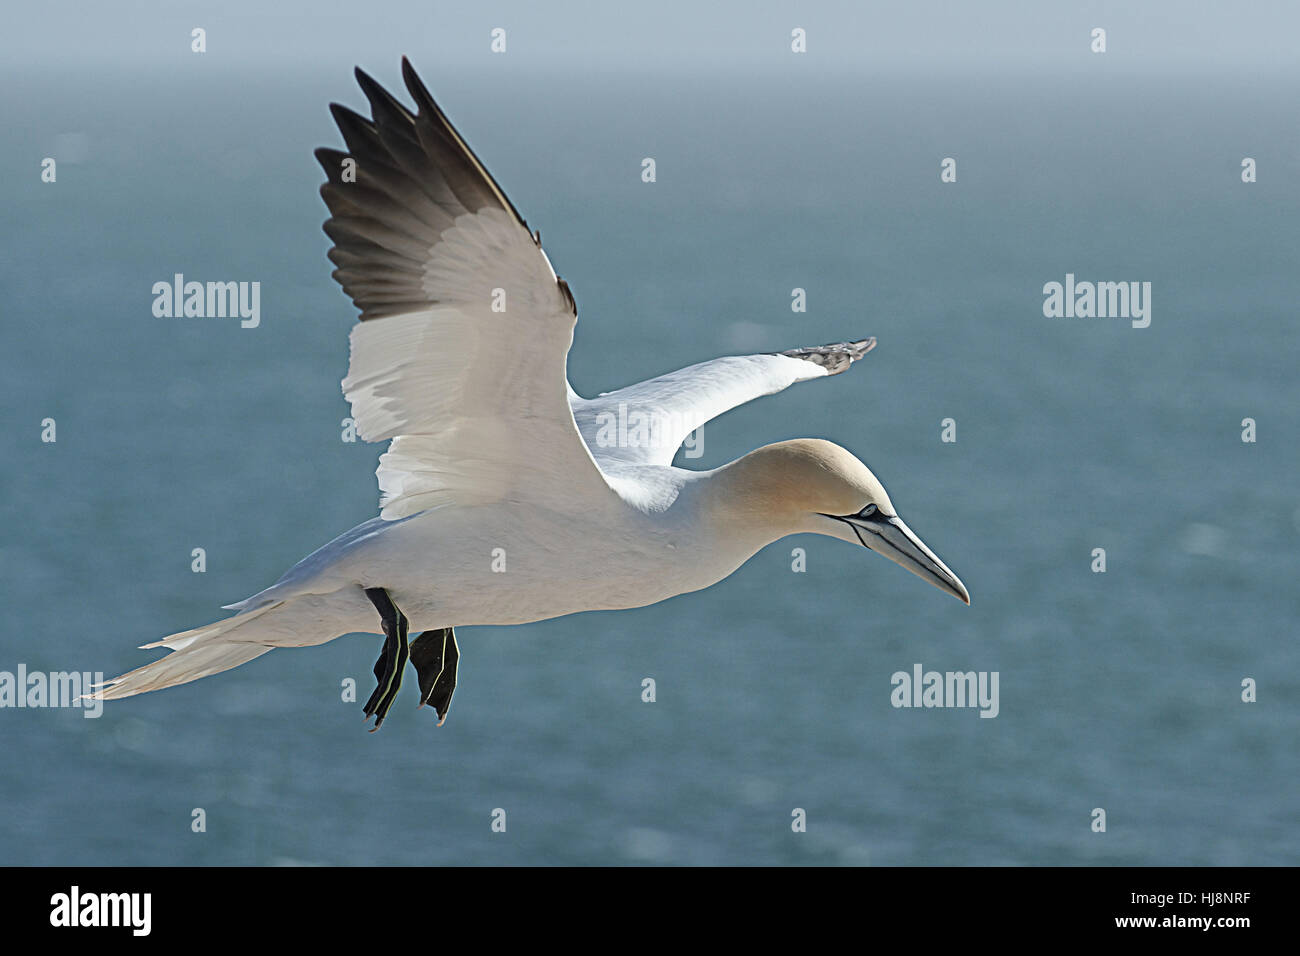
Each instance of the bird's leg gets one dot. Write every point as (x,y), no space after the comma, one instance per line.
(435,656)
(392,660)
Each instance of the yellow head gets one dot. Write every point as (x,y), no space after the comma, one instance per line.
(812,485)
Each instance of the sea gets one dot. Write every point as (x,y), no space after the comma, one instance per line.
(1119,494)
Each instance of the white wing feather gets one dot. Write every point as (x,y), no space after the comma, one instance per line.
(460,356)
(644,424)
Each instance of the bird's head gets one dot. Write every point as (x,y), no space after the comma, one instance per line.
(811,485)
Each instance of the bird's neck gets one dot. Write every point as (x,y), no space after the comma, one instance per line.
(748,501)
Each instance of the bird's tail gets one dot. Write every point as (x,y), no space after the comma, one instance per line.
(197,653)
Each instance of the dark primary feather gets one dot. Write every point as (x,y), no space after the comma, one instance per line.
(414,176)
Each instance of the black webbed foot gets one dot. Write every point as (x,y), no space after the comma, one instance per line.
(435,655)
(392,660)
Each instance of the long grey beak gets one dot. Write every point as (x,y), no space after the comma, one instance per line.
(894,540)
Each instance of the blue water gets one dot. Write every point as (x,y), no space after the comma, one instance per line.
(1119,690)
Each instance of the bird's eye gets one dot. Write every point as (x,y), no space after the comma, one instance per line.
(868,511)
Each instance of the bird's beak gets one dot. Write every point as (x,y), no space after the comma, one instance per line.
(888,536)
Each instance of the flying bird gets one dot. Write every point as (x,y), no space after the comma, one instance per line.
(505,496)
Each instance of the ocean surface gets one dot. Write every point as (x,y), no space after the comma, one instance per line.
(1119,690)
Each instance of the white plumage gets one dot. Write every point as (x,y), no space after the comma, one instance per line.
(507,497)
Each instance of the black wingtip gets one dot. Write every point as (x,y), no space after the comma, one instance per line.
(367,83)
(344,114)
(354,127)
(383,105)
(415,86)
(331,160)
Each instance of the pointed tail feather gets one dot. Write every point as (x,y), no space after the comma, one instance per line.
(183,639)
(195,653)
(180,667)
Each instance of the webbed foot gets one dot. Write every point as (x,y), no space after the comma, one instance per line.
(435,655)
(392,660)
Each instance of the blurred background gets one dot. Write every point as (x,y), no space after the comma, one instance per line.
(775,171)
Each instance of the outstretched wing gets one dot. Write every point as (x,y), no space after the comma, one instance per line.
(460,354)
(644,424)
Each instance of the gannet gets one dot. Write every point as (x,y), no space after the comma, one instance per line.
(506,497)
